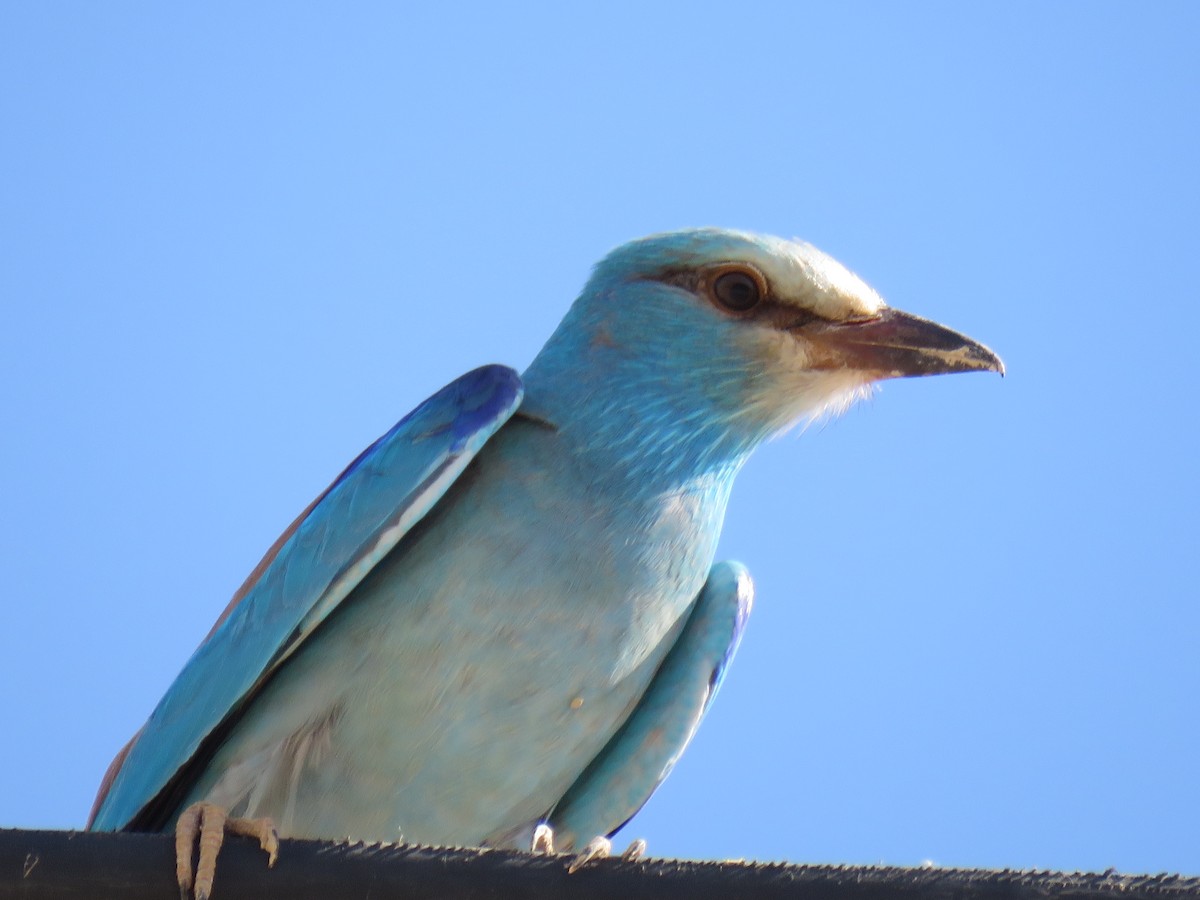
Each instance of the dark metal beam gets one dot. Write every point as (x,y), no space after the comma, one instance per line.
(40,865)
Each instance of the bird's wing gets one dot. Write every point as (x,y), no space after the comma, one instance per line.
(310,570)
(641,754)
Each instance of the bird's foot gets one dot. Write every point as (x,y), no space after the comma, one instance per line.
(600,847)
(209,824)
(597,848)
(635,850)
(543,840)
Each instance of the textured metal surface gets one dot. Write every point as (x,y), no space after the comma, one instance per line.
(64,864)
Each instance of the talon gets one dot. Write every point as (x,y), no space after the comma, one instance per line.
(212,836)
(263,829)
(636,850)
(597,848)
(543,840)
(186,830)
(210,823)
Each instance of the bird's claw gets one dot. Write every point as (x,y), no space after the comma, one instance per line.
(597,848)
(206,824)
(636,850)
(263,829)
(543,840)
(600,847)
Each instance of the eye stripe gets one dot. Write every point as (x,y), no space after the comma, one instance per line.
(702,280)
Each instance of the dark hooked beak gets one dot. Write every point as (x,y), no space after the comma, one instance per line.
(894,344)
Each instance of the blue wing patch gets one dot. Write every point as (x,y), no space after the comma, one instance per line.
(351,527)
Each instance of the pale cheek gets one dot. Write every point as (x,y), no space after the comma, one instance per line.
(784,390)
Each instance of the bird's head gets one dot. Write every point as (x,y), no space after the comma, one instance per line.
(708,341)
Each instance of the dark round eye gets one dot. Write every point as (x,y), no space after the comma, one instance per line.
(737,291)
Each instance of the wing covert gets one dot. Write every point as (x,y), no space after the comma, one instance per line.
(330,548)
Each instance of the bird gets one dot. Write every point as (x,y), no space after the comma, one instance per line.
(503,623)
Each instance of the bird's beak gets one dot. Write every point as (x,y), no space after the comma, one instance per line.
(894,344)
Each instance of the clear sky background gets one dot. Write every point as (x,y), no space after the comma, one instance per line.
(238,242)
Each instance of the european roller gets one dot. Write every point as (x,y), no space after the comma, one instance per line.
(502,623)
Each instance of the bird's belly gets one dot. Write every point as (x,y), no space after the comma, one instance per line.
(469,680)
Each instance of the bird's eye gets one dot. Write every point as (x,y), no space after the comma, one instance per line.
(737,291)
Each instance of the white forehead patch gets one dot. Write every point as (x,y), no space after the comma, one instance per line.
(798,273)
(801,274)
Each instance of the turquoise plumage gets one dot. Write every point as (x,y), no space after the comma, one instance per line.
(505,612)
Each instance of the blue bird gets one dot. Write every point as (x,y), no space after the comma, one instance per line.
(502,624)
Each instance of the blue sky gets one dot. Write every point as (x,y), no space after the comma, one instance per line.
(241,241)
